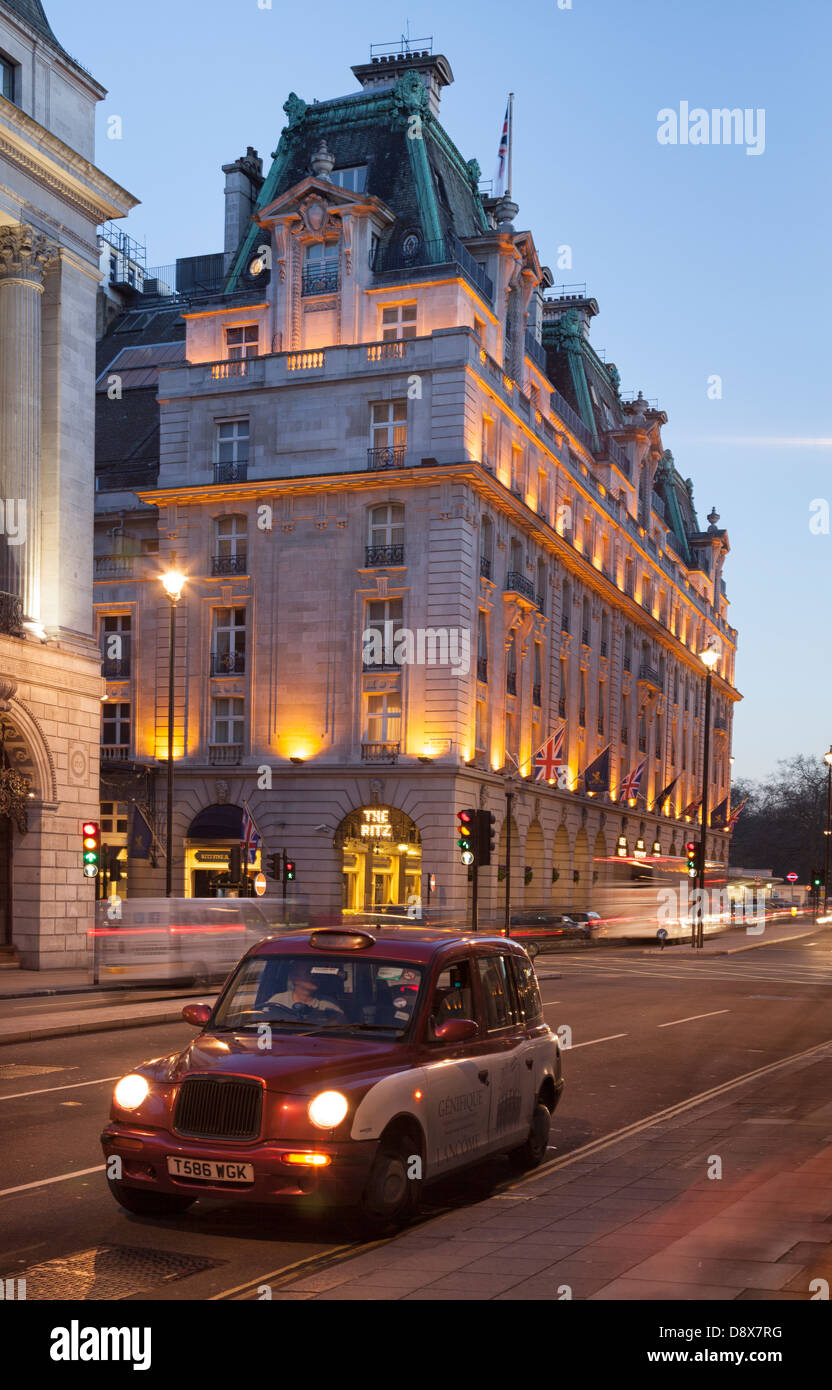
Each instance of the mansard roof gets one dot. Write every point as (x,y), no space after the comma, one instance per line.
(424,181)
(33,14)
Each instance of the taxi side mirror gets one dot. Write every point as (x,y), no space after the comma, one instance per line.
(456,1030)
(197,1014)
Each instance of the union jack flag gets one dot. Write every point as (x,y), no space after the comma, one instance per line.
(693,807)
(632,782)
(735,815)
(249,836)
(499,181)
(547,758)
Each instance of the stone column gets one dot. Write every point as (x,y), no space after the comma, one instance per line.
(24,256)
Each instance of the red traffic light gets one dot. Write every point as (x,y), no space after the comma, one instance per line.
(690,847)
(89,828)
(465,816)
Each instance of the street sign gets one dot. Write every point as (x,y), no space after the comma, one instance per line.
(259,884)
(90,871)
(662,933)
(791,878)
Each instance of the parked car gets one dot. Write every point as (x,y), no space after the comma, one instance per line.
(346,1067)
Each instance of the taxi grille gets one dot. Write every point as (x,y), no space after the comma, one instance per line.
(211,1107)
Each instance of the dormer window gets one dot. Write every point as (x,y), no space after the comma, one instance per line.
(320,268)
(353,178)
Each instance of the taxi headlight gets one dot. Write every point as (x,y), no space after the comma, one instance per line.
(130,1092)
(328,1109)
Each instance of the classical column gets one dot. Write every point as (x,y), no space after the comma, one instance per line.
(24,255)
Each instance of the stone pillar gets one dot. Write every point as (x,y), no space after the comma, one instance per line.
(24,255)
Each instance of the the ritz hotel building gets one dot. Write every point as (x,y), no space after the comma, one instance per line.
(366,419)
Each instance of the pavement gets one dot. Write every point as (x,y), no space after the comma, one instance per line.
(725,1196)
(66,1020)
(738,939)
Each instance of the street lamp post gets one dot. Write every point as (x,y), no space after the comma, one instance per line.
(709,657)
(827,758)
(172,583)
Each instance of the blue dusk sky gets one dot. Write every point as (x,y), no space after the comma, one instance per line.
(705,260)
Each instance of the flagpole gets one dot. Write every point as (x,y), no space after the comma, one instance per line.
(510,140)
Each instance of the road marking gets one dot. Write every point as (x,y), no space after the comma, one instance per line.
(71,1086)
(44,1182)
(595,1040)
(692,1018)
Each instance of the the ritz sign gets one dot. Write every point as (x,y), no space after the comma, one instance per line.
(376,824)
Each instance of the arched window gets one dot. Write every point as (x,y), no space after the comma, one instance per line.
(386,534)
(231,545)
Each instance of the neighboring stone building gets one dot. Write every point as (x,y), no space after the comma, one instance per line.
(361,439)
(52,197)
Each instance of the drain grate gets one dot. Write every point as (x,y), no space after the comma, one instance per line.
(109,1272)
(12,1071)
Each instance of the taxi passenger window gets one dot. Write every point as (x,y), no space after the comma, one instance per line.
(453,996)
(528,994)
(500,1008)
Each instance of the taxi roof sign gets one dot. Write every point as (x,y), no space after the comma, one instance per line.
(328,939)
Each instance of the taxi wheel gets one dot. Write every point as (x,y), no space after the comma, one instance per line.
(533,1152)
(149,1203)
(390,1197)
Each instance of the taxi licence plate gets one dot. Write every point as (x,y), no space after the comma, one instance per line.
(210,1168)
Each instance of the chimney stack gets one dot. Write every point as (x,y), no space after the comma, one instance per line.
(384,69)
(243,181)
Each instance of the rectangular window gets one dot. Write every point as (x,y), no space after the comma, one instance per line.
(228,651)
(8,74)
(115,724)
(228,720)
(242,342)
(382,623)
(489,456)
(479,331)
(232,443)
(383,717)
(453,996)
(115,645)
(500,1007)
(388,434)
(526,988)
(398,321)
(482,722)
(113,817)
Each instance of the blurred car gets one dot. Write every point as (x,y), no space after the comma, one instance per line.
(317,1079)
(534,929)
(194,941)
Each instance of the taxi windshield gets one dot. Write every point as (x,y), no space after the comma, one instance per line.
(310,993)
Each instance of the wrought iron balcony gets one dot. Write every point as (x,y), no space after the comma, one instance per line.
(485,567)
(230,472)
(319,280)
(482,669)
(11,615)
(228,663)
(380,752)
(380,667)
(384,555)
(570,417)
(650,676)
(511,682)
(392,456)
(225,754)
(535,350)
(448,250)
(230,564)
(517,583)
(116,668)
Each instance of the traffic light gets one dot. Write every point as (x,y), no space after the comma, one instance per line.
(235,863)
(91,833)
(691,849)
(276,865)
(485,831)
(466,836)
(288,869)
(817,879)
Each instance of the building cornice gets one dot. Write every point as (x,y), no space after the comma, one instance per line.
(35,151)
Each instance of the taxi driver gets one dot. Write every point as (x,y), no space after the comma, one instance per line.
(302,997)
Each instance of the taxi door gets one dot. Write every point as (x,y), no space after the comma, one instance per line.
(456,1078)
(510,1054)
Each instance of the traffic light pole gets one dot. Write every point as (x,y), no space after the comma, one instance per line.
(706,755)
(475,906)
(509,801)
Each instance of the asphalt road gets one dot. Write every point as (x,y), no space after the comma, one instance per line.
(647,1031)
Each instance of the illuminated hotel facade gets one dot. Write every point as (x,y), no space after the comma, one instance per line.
(421,532)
